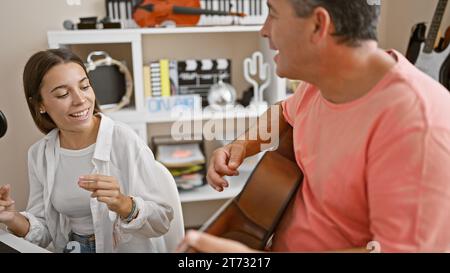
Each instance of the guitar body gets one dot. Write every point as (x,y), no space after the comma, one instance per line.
(252,216)
(434,64)
(432,59)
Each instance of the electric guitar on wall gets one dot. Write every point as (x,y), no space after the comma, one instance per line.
(435,64)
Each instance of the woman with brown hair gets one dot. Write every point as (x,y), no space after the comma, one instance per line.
(91,178)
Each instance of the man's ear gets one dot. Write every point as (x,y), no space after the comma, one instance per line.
(322,25)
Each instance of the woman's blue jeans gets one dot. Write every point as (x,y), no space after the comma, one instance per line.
(80,244)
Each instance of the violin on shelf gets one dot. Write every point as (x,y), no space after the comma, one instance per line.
(151,13)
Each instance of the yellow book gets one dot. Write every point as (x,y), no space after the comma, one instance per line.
(147,83)
(165,80)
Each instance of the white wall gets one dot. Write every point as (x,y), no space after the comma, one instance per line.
(23,26)
(400,15)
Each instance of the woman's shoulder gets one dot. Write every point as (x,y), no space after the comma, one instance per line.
(121,138)
(127,145)
(124,132)
(34,149)
(37,151)
(125,136)
(39,146)
(120,131)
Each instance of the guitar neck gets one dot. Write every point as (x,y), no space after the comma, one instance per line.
(435,25)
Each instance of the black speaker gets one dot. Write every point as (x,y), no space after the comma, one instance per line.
(3,124)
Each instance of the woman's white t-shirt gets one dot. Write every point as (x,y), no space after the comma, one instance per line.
(68,198)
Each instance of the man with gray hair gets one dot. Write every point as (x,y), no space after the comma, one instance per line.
(371,135)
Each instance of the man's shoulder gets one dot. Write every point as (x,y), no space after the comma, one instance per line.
(408,77)
(302,95)
(406,85)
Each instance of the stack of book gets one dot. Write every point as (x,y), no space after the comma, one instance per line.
(186,163)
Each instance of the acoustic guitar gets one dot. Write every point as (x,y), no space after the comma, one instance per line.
(430,61)
(253,215)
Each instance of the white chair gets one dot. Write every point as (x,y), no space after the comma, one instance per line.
(176,232)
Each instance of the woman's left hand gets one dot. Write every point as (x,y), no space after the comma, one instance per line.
(107,190)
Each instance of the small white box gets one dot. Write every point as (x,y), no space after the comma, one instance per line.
(174,106)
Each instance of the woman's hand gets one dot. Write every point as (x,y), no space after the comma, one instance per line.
(107,190)
(7,208)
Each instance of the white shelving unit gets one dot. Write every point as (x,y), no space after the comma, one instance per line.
(236,183)
(130,116)
(140,40)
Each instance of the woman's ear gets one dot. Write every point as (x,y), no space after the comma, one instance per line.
(322,23)
(42,109)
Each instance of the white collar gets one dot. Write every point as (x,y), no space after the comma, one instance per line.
(103,142)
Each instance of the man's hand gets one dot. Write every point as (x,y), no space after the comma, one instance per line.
(203,242)
(107,190)
(7,208)
(225,161)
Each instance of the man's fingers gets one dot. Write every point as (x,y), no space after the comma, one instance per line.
(218,176)
(220,162)
(204,242)
(223,169)
(215,177)
(237,154)
(216,181)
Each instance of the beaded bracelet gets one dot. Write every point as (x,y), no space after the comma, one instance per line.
(133,211)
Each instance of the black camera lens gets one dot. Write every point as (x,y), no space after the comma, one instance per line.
(3,124)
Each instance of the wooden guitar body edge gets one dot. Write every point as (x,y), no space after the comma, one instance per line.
(253,215)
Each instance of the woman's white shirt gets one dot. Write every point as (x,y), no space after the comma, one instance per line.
(119,152)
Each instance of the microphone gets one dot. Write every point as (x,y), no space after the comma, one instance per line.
(3,124)
(69,25)
(85,23)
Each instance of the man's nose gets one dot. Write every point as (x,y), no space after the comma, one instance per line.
(264,32)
